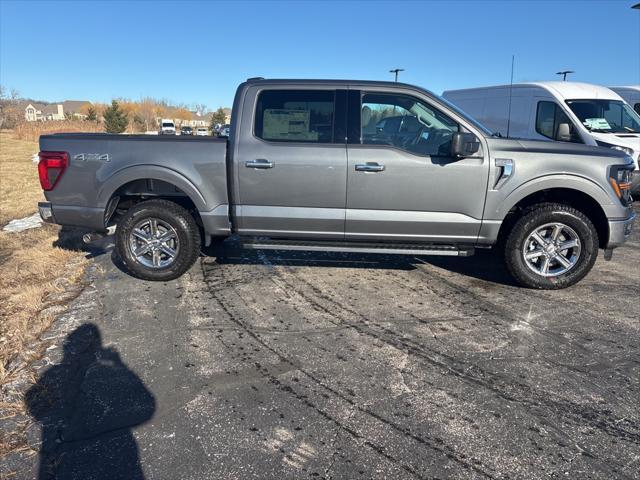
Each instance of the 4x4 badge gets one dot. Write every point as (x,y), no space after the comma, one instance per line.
(86,157)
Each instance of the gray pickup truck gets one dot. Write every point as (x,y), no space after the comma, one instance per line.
(344,166)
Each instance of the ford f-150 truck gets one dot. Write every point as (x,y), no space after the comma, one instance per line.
(345,166)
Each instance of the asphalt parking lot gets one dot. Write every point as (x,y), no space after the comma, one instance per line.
(281,365)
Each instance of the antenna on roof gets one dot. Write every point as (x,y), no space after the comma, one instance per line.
(513,58)
(564,74)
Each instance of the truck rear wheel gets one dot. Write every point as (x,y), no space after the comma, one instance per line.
(158,240)
(551,246)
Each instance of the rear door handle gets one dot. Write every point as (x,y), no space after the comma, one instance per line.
(259,163)
(369,167)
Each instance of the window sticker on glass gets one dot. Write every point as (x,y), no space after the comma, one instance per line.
(282,124)
(597,123)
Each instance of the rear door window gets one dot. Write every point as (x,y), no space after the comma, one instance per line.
(295,116)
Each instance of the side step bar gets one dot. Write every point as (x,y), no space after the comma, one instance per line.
(352,247)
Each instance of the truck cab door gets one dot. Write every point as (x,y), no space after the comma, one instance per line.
(402,183)
(290,163)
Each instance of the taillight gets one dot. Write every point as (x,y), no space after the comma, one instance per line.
(51,167)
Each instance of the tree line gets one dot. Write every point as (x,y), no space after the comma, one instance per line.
(122,115)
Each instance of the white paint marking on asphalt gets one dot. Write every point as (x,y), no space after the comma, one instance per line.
(21,224)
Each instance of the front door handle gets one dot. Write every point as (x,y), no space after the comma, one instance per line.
(369,167)
(259,163)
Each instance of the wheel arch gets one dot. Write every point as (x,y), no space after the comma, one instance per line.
(134,184)
(586,202)
(150,172)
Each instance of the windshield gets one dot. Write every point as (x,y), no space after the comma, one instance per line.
(167,124)
(606,116)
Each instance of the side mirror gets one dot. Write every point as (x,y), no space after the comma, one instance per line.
(564,133)
(464,144)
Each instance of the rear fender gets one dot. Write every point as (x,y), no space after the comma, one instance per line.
(153,172)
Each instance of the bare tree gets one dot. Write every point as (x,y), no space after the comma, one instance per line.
(9,111)
(148,112)
(200,109)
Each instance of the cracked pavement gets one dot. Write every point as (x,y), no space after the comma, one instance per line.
(293,365)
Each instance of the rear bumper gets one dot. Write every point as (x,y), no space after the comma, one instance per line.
(46,212)
(92,218)
(619,231)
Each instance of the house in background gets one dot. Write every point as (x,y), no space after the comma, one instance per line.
(227,115)
(34,111)
(76,109)
(53,112)
(183,118)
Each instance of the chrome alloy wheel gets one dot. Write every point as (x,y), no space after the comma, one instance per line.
(551,249)
(154,243)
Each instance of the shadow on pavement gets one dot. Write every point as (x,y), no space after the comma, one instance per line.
(70,238)
(87,406)
(484,265)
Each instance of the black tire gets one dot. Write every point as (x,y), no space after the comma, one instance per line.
(536,217)
(185,232)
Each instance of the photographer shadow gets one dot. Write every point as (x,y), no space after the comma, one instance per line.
(87,406)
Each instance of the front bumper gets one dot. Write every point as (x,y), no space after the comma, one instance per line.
(619,231)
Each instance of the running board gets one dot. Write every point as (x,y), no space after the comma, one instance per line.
(352,247)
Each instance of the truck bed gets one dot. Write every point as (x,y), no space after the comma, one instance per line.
(105,166)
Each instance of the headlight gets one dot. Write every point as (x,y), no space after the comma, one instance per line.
(620,180)
(627,150)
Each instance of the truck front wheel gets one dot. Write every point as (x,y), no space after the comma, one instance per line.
(551,246)
(158,240)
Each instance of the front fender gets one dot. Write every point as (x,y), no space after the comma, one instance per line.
(499,210)
(154,172)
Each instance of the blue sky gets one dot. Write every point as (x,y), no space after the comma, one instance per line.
(196,51)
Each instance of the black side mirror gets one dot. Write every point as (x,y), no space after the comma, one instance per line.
(464,144)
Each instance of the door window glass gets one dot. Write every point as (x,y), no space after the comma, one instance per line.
(295,116)
(549,118)
(406,123)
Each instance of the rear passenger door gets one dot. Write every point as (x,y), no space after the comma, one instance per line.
(291,163)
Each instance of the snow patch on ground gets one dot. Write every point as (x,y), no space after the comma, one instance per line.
(14,226)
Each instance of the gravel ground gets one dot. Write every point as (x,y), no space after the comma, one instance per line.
(282,365)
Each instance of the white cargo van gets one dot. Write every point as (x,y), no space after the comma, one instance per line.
(630,94)
(167,127)
(562,111)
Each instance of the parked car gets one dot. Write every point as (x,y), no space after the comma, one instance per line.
(202,131)
(296,176)
(186,130)
(224,131)
(167,127)
(630,94)
(561,111)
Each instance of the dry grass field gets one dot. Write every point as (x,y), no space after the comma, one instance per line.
(30,131)
(32,269)
(19,186)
